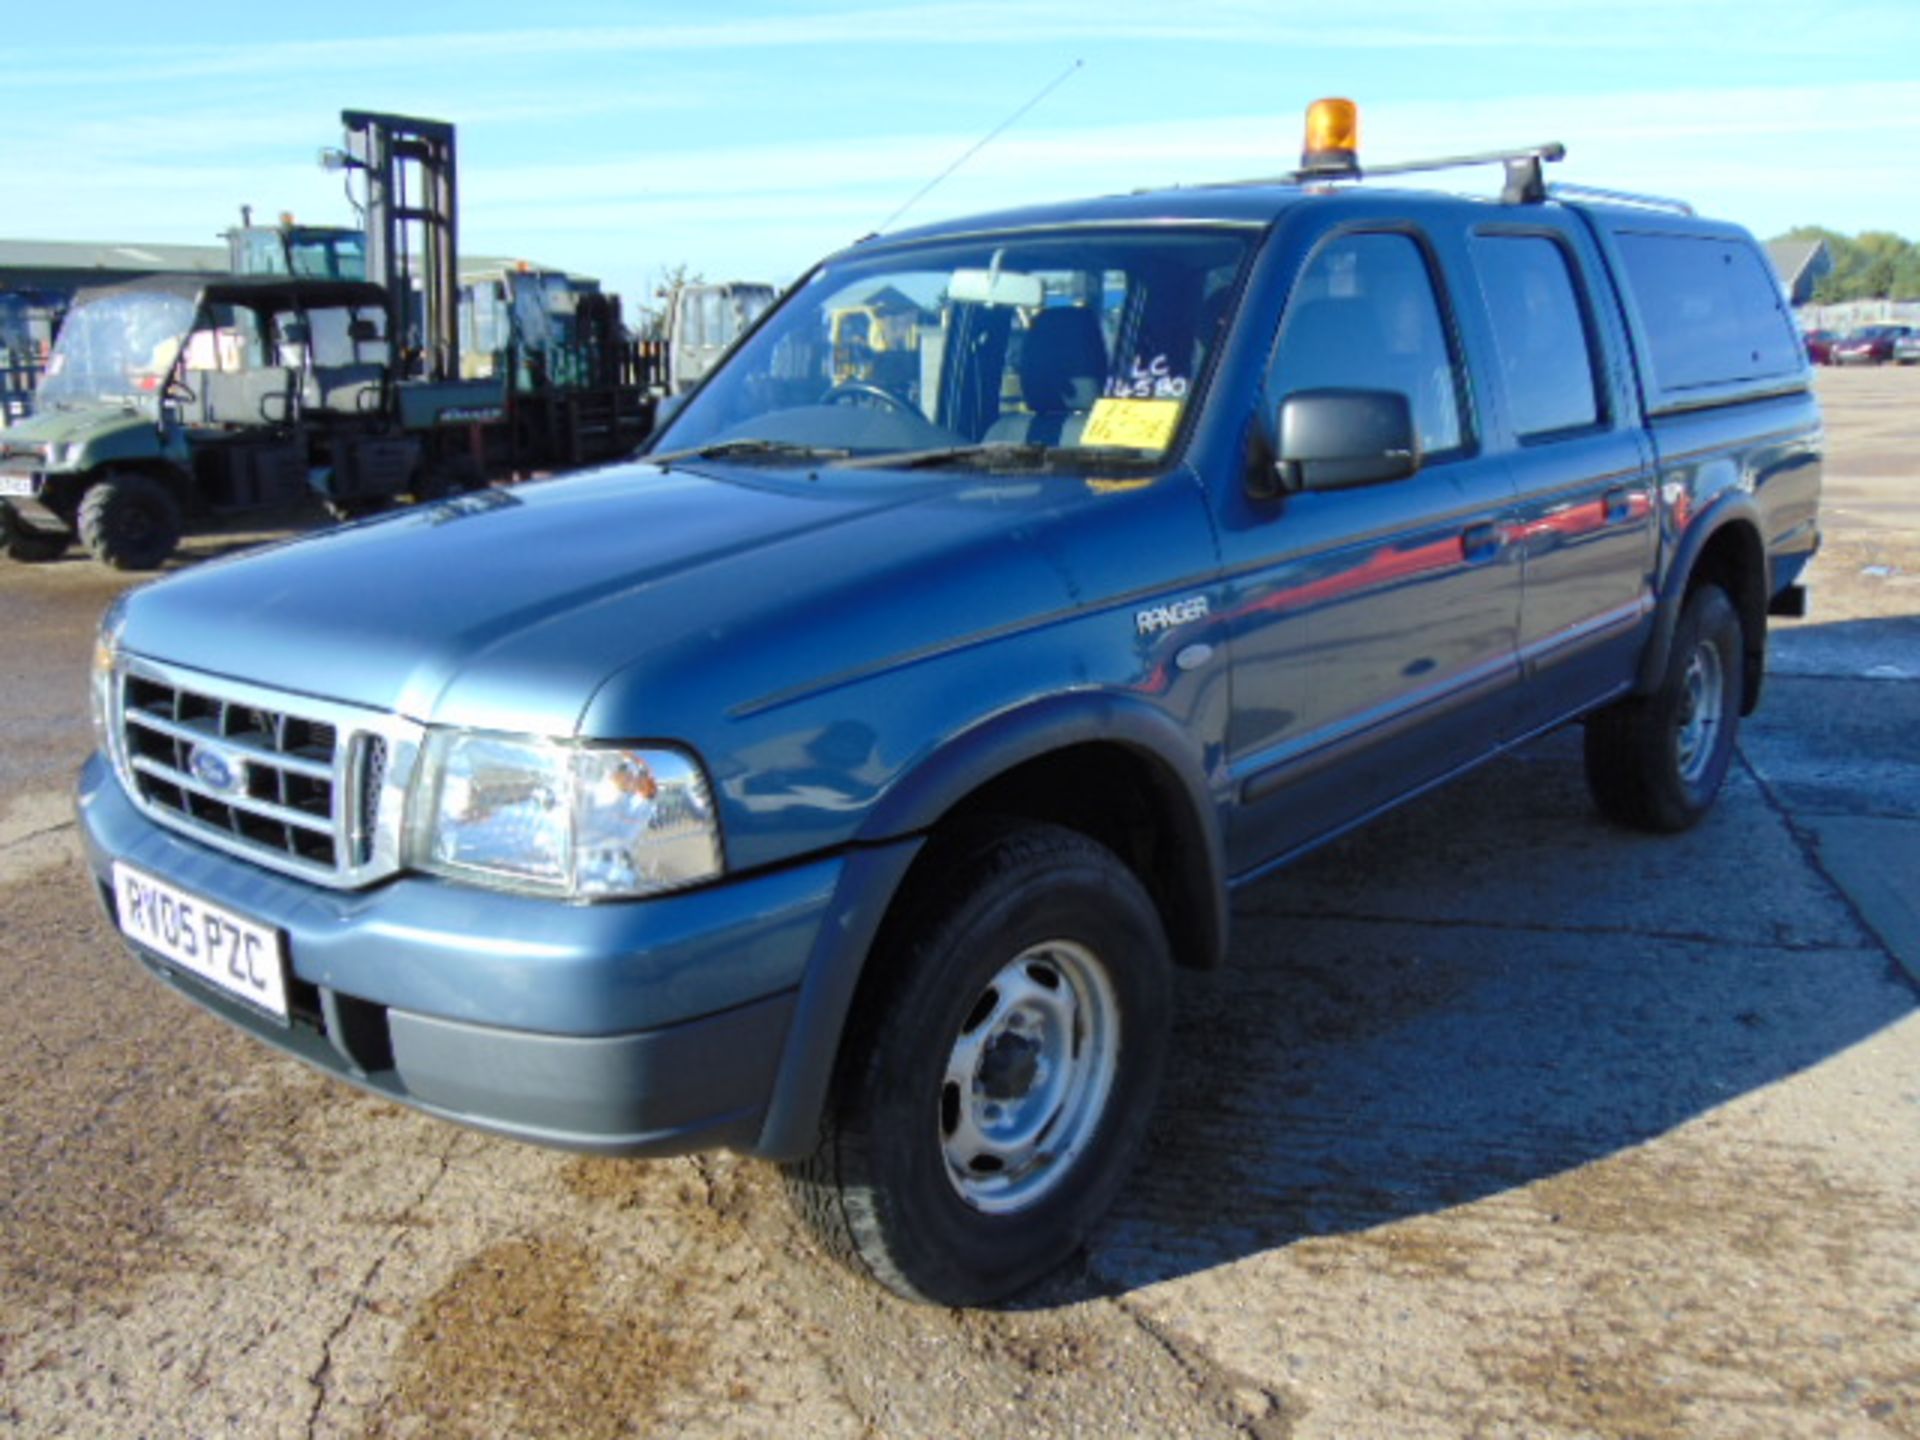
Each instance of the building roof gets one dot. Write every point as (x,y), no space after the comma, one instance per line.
(1795,261)
(77,257)
(71,255)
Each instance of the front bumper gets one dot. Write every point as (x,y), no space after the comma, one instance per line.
(650,1027)
(24,492)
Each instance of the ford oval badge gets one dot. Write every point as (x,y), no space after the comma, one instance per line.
(216,770)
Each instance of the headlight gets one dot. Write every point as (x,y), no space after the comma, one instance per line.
(588,822)
(106,659)
(68,456)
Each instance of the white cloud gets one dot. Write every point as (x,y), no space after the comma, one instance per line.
(1734,27)
(696,154)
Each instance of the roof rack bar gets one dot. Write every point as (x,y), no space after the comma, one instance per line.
(1618,197)
(1525,183)
(1525,171)
(1552,150)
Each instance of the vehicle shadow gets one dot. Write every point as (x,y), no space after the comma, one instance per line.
(212,540)
(1886,648)
(1487,989)
(251,531)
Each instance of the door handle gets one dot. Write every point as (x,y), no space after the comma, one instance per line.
(1616,505)
(1480,543)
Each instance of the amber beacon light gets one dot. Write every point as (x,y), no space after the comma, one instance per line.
(1333,138)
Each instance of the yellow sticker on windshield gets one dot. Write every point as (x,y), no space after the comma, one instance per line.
(1139,424)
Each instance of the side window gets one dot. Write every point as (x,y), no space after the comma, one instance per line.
(1541,332)
(229,341)
(688,331)
(1364,316)
(1712,311)
(331,333)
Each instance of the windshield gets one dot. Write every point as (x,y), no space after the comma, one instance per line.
(750,302)
(543,309)
(311,252)
(328,254)
(983,352)
(116,348)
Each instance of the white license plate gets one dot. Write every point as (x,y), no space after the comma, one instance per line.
(228,950)
(16,484)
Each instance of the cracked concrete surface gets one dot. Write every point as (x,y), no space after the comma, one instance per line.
(1500,1122)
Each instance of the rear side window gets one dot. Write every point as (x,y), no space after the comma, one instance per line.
(1711,310)
(1541,332)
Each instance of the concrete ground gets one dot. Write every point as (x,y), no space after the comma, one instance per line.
(1501,1122)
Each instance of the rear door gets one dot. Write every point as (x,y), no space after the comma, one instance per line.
(1562,406)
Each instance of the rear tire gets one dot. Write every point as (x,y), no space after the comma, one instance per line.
(997,1081)
(27,545)
(1656,762)
(131,522)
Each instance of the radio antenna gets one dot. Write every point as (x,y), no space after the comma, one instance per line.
(984,141)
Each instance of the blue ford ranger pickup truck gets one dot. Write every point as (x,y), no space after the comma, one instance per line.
(844,781)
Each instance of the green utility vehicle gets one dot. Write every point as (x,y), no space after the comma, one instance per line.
(333,361)
(180,398)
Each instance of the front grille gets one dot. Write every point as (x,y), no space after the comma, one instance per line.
(302,786)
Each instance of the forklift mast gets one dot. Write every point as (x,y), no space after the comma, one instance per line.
(410,216)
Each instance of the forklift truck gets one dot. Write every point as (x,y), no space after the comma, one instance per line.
(176,399)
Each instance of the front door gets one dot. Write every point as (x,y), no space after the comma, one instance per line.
(1373,630)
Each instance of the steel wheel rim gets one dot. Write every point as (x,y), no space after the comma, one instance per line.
(1702,712)
(1028,1077)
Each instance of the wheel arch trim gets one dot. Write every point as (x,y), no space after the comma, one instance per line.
(1737,516)
(877,867)
(1000,744)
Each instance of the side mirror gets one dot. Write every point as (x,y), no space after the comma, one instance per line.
(1338,439)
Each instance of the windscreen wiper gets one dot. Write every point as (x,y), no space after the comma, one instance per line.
(729,449)
(1011,450)
(945,455)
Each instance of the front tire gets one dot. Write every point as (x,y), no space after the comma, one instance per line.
(1656,762)
(997,1082)
(131,522)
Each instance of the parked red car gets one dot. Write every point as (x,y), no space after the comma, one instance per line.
(1820,345)
(1869,345)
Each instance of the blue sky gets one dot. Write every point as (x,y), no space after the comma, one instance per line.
(746,139)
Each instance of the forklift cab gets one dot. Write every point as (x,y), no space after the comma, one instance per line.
(308,252)
(703,322)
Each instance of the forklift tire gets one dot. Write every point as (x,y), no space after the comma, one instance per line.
(130,522)
(27,545)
